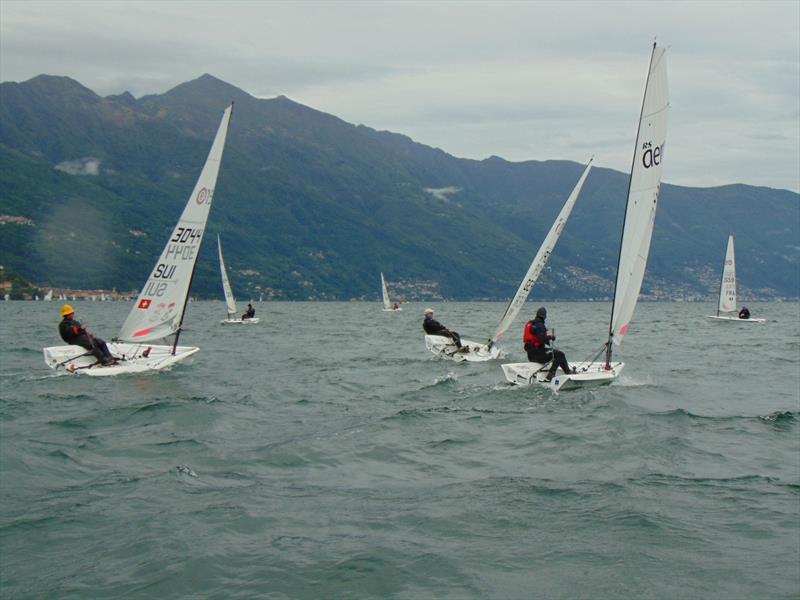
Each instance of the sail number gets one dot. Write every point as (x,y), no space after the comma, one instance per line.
(652,155)
(185,234)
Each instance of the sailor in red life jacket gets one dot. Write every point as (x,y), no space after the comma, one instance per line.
(537,344)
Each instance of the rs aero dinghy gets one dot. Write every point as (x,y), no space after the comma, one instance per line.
(637,231)
(161,305)
(727,289)
(230,301)
(445,347)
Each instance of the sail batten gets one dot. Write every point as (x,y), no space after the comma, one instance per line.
(158,310)
(540,260)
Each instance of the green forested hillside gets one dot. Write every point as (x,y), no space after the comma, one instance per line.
(309,206)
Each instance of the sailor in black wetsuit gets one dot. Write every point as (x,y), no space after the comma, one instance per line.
(537,345)
(251,312)
(433,327)
(73,333)
(744,313)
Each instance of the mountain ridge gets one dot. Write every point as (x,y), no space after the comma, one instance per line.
(316,206)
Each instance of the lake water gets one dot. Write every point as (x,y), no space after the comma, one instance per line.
(325,453)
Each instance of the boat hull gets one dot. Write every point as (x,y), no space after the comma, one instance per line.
(76,361)
(444,347)
(392,309)
(737,319)
(252,321)
(589,375)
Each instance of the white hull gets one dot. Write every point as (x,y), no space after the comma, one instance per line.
(252,321)
(589,375)
(444,347)
(74,359)
(716,318)
(392,309)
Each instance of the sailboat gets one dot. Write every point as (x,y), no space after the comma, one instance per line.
(445,347)
(48,297)
(727,289)
(230,301)
(160,308)
(637,230)
(387,305)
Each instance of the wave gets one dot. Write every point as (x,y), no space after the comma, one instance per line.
(779,417)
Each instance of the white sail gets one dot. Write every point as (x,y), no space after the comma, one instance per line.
(727,292)
(159,308)
(386,304)
(644,185)
(49,296)
(230,301)
(540,260)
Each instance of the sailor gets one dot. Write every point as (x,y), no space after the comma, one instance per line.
(75,334)
(537,345)
(744,313)
(250,313)
(433,327)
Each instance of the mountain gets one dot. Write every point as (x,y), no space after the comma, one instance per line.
(309,206)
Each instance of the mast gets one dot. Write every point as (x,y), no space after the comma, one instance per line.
(625,215)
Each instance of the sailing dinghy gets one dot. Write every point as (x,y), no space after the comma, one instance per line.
(637,231)
(230,301)
(727,289)
(387,305)
(160,307)
(444,347)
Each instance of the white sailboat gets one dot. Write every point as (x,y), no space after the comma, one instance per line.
(387,305)
(637,231)
(444,347)
(48,297)
(230,301)
(727,289)
(160,307)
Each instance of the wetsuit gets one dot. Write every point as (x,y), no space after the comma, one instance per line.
(251,312)
(744,314)
(433,327)
(537,347)
(73,333)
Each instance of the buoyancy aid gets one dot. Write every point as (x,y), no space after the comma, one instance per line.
(529,336)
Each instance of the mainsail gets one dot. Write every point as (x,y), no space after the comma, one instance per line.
(230,301)
(540,260)
(386,304)
(727,292)
(643,189)
(158,311)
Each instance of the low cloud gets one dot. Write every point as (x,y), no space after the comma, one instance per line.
(443,193)
(82,166)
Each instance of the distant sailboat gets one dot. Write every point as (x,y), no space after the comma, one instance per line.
(49,296)
(160,307)
(230,301)
(727,289)
(637,231)
(445,347)
(387,305)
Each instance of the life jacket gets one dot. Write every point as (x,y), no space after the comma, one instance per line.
(528,336)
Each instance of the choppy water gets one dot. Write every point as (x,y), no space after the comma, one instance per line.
(328,455)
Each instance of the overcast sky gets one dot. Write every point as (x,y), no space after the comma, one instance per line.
(521,80)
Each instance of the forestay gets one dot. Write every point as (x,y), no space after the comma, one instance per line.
(230,301)
(727,292)
(643,190)
(540,260)
(158,311)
